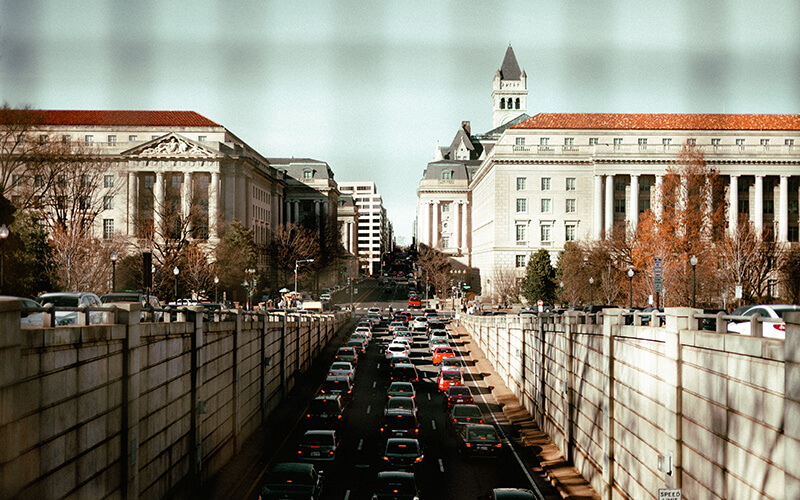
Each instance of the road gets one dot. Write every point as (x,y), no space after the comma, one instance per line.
(444,473)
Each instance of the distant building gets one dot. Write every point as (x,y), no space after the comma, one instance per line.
(373,227)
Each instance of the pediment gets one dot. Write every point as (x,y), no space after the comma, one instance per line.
(171,145)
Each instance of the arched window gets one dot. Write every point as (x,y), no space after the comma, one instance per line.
(503,103)
(447,174)
(517,103)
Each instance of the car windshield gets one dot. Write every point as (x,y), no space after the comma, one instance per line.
(400,404)
(322,405)
(401,387)
(59,301)
(783,310)
(341,366)
(451,376)
(401,421)
(444,350)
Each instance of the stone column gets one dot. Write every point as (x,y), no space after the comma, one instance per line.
(457,228)
(598,206)
(133,202)
(158,218)
(296,215)
(428,216)
(633,212)
(435,232)
(186,189)
(213,206)
(733,204)
(287,212)
(758,222)
(783,217)
(465,226)
(609,218)
(657,198)
(318,217)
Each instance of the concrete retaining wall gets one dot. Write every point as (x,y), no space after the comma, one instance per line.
(146,410)
(639,408)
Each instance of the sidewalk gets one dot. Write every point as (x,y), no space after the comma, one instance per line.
(543,458)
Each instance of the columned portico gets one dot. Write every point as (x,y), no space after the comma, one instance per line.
(435,232)
(783,221)
(464,226)
(733,204)
(213,206)
(296,212)
(598,206)
(158,220)
(633,212)
(133,202)
(609,217)
(457,229)
(657,198)
(758,220)
(186,187)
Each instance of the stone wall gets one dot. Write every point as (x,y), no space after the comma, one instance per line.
(639,408)
(150,410)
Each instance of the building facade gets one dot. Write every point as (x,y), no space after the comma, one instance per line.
(373,232)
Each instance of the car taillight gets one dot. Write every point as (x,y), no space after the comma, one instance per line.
(308,415)
(498,445)
(468,445)
(779,326)
(381,429)
(339,416)
(386,458)
(416,431)
(331,452)
(418,459)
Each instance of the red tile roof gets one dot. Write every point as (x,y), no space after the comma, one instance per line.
(659,121)
(116,118)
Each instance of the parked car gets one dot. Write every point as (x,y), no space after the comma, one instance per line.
(72,299)
(292,480)
(395,485)
(478,439)
(402,453)
(770,329)
(30,317)
(318,445)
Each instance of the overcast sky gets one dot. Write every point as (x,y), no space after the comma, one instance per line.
(370,86)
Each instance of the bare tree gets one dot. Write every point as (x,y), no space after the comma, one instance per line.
(437,267)
(290,244)
(505,284)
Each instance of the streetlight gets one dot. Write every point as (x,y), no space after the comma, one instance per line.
(176,271)
(216,288)
(296,265)
(630,288)
(591,290)
(693,262)
(114,258)
(4,232)
(561,293)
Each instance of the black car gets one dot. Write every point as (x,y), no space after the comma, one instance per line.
(404,372)
(508,494)
(294,481)
(400,423)
(403,453)
(395,486)
(325,411)
(479,440)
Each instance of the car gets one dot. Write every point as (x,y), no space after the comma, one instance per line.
(72,299)
(396,324)
(405,389)
(365,336)
(348,354)
(396,349)
(318,445)
(433,344)
(438,338)
(451,364)
(399,423)
(397,359)
(414,302)
(771,329)
(395,485)
(325,410)
(436,325)
(419,324)
(359,344)
(342,369)
(442,352)
(144,300)
(339,385)
(429,311)
(374,317)
(30,316)
(463,414)
(449,378)
(401,403)
(293,480)
(508,494)
(325,297)
(402,453)
(478,439)
(364,330)
(457,394)
(404,337)
(404,373)
(375,309)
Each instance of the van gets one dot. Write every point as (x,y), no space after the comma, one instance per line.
(313,306)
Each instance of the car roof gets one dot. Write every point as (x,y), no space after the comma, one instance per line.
(293,467)
(391,474)
(512,494)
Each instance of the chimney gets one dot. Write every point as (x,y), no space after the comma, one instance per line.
(465,126)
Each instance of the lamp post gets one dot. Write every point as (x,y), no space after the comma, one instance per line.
(591,290)
(4,232)
(250,285)
(296,265)
(561,293)
(693,262)
(216,288)
(630,288)
(114,258)
(176,271)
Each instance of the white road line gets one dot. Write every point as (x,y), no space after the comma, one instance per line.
(347,495)
(360,444)
(433,424)
(441,465)
(429,396)
(379,366)
(374,384)
(369,407)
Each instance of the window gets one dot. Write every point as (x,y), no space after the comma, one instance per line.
(644,184)
(769,207)
(43,138)
(89,139)
(445,208)
(617,142)
(522,205)
(445,242)
(570,183)
(516,103)
(570,232)
(593,141)
(503,103)
(154,137)
(619,183)
(543,144)
(691,142)
(83,203)
(740,142)
(793,234)
(666,143)
(308,174)
(715,142)
(447,174)
(132,138)
(520,261)
(545,183)
(571,205)
(202,138)
(788,142)
(176,181)
(545,233)
(38,181)
(149,181)
(108,202)
(108,181)
(744,206)
(547,205)
(765,142)
(108,229)
(619,206)
(644,205)
(521,183)
(520,141)
(642,143)
(112,139)
(521,233)
(66,138)
(569,142)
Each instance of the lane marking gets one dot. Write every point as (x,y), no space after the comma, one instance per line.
(360,444)
(374,383)
(441,465)
(429,396)
(369,407)
(347,495)
(433,424)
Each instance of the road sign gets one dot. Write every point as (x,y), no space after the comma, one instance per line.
(738,292)
(657,273)
(669,494)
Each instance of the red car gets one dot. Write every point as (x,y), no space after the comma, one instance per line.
(442,352)
(414,303)
(449,378)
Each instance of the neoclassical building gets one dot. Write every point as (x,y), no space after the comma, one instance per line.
(559,177)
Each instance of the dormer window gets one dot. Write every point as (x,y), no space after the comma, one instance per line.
(308,173)
(447,174)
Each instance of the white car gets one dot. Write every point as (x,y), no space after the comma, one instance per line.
(397,349)
(396,324)
(374,317)
(438,337)
(420,323)
(342,369)
(366,331)
(438,343)
(771,329)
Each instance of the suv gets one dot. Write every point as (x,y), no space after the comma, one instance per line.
(404,372)
(340,385)
(414,303)
(144,300)
(72,299)
(325,410)
(292,480)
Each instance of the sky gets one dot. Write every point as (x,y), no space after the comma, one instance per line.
(370,86)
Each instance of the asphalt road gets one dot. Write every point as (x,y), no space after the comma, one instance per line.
(444,473)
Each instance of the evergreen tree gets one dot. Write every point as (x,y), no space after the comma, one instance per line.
(539,282)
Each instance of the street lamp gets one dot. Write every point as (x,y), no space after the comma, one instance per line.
(591,290)
(693,262)
(176,271)
(4,232)
(630,288)
(561,293)
(114,258)
(296,265)
(216,288)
